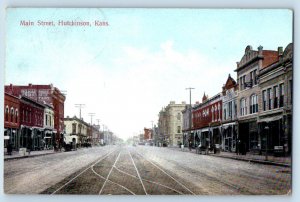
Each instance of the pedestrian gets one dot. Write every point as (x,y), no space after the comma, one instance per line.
(9,149)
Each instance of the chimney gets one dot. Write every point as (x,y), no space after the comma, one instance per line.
(197,102)
(260,49)
(280,52)
(183,102)
(172,102)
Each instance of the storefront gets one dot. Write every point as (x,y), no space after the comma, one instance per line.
(229,136)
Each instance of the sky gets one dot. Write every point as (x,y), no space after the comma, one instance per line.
(128,71)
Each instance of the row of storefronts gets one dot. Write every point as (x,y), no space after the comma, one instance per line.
(252,114)
(30,116)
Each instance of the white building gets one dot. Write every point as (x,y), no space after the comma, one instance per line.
(174,123)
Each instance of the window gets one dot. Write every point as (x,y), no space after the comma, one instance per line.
(46,120)
(253,104)
(251,78)
(264,94)
(17,114)
(6,113)
(275,91)
(178,129)
(178,116)
(291,90)
(269,99)
(281,95)
(74,128)
(230,109)
(225,114)
(244,82)
(212,112)
(243,107)
(255,77)
(12,114)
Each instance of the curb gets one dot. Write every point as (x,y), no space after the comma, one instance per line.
(254,161)
(247,159)
(28,156)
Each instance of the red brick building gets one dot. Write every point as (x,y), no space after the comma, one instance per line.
(207,117)
(31,122)
(45,94)
(147,134)
(11,120)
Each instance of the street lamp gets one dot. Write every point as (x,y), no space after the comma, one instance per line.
(190,115)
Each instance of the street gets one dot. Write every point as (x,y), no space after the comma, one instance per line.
(142,170)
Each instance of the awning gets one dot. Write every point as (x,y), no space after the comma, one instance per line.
(205,130)
(270,119)
(226,125)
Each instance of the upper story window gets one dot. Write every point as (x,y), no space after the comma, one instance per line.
(6,113)
(264,100)
(12,114)
(179,116)
(281,95)
(276,99)
(253,104)
(269,97)
(17,116)
(291,90)
(230,109)
(73,128)
(243,108)
(178,129)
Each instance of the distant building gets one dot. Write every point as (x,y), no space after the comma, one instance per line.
(173,121)
(76,131)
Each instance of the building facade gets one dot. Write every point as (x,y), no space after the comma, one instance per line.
(249,95)
(162,128)
(174,123)
(229,116)
(11,120)
(207,117)
(76,131)
(275,116)
(45,94)
(31,124)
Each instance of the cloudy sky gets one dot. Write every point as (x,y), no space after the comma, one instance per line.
(127,71)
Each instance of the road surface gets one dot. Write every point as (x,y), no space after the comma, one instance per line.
(142,170)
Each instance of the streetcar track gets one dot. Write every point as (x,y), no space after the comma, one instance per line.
(109,173)
(86,169)
(149,181)
(92,168)
(138,173)
(182,185)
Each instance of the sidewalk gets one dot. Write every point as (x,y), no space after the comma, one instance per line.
(16,155)
(278,161)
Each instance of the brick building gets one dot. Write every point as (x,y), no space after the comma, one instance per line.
(11,120)
(275,114)
(45,94)
(249,94)
(31,124)
(207,117)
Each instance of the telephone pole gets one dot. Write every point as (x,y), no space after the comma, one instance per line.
(190,114)
(80,106)
(91,115)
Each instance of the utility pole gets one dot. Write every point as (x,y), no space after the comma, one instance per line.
(153,138)
(80,106)
(91,115)
(190,117)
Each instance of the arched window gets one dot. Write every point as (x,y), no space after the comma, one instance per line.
(12,114)
(253,104)
(16,116)
(6,113)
